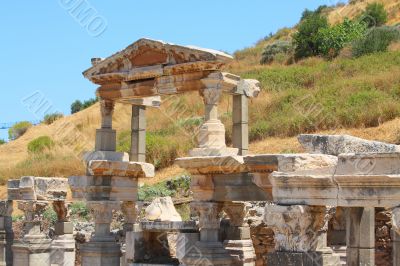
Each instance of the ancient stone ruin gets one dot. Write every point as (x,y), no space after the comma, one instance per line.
(315,208)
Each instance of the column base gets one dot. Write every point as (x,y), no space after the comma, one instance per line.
(360,256)
(100,254)
(208,254)
(63,250)
(32,253)
(224,151)
(315,258)
(242,251)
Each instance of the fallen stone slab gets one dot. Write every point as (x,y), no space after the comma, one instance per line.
(162,209)
(337,144)
(119,168)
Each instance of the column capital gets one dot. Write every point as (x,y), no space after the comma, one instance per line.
(61,209)
(102,210)
(131,211)
(106,107)
(208,214)
(296,227)
(32,208)
(237,212)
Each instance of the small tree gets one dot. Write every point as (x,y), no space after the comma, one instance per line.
(333,39)
(306,39)
(76,106)
(376,40)
(2,141)
(18,130)
(375,15)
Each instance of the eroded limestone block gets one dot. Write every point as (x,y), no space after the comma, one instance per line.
(296,227)
(211,164)
(106,155)
(338,144)
(162,209)
(307,163)
(37,188)
(292,188)
(114,168)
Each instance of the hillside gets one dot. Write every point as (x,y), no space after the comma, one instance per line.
(353,96)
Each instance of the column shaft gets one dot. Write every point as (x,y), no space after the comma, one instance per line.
(360,236)
(138,138)
(240,117)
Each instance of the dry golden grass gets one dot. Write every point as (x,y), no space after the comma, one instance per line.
(353,10)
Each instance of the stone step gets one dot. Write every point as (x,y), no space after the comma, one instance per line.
(341,251)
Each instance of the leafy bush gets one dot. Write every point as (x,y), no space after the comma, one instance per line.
(40,144)
(18,130)
(178,186)
(374,15)
(51,118)
(80,209)
(272,50)
(376,40)
(306,39)
(50,215)
(2,141)
(333,39)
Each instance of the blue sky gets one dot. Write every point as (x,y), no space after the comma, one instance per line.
(45,46)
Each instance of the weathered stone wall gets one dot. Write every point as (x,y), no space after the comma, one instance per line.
(261,235)
(383,240)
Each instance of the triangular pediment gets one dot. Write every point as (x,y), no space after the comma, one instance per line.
(146,53)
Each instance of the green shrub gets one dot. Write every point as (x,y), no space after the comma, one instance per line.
(374,15)
(50,215)
(306,40)
(18,130)
(272,50)
(169,188)
(2,141)
(376,40)
(80,209)
(17,217)
(40,144)
(51,118)
(333,39)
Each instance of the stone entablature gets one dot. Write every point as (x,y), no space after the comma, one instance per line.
(149,68)
(360,180)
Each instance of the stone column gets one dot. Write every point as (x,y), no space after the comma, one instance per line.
(138,140)
(396,235)
(102,249)
(240,119)
(299,232)
(106,136)
(133,247)
(63,244)
(211,135)
(34,247)
(360,236)
(209,250)
(239,242)
(6,232)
